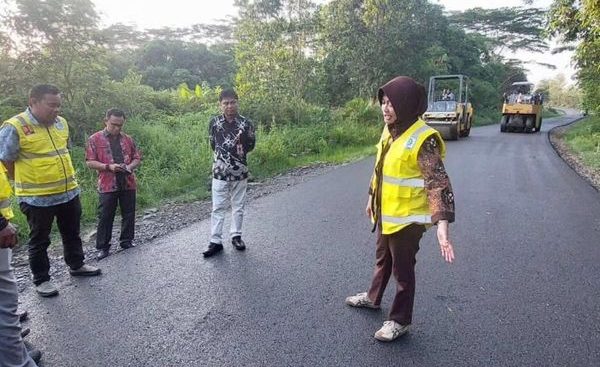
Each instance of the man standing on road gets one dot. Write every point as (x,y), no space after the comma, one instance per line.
(114,155)
(231,138)
(12,349)
(34,147)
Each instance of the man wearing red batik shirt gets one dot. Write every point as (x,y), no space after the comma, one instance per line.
(115,156)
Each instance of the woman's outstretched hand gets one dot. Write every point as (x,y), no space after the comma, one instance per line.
(443,238)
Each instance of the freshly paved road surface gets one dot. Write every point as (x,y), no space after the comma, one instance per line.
(524,290)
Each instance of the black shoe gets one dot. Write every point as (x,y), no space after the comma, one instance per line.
(25,332)
(213,249)
(23,315)
(126,245)
(35,354)
(238,243)
(102,254)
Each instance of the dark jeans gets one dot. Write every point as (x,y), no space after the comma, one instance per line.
(40,219)
(107,206)
(396,254)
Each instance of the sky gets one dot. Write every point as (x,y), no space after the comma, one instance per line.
(181,13)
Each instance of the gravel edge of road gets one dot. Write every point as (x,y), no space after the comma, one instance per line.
(571,158)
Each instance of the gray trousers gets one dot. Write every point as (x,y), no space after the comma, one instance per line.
(12,349)
(224,192)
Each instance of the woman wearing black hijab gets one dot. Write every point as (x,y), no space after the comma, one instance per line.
(410,191)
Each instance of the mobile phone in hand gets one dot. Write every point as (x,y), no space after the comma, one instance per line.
(124,168)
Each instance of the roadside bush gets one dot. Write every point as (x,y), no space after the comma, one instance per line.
(486,116)
(360,110)
(7,111)
(202,97)
(548,112)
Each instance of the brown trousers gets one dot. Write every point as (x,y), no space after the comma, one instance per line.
(396,253)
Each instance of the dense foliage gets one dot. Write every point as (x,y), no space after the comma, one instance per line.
(290,60)
(577,21)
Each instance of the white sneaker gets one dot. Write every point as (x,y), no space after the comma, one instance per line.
(46,289)
(390,331)
(361,300)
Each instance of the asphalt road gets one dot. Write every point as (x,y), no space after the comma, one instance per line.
(524,290)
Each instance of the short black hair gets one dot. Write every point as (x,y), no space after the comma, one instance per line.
(227,93)
(39,91)
(114,112)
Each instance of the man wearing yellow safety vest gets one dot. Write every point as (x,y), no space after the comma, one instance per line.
(410,191)
(34,147)
(12,349)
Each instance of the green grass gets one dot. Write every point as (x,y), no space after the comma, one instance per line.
(484,117)
(549,112)
(584,139)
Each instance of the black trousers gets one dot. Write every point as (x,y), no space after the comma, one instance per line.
(107,206)
(40,219)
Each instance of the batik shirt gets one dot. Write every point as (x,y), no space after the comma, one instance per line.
(231,142)
(99,149)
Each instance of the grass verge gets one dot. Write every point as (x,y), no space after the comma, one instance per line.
(584,139)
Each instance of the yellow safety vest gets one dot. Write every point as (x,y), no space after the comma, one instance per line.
(5,193)
(403,195)
(44,165)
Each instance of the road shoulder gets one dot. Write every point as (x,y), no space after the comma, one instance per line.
(555,136)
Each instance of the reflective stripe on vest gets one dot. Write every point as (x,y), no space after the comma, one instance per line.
(415,135)
(407,182)
(54,153)
(424,219)
(4,204)
(46,185)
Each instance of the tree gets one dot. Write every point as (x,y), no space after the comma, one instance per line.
(577,22)
(558,93)
(58,42)
(165,64)
(366,42)
(518,28)
(275,56)
(506,30)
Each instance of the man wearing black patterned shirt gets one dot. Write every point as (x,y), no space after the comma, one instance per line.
(231,139)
